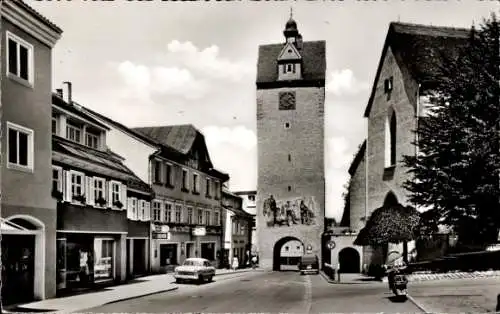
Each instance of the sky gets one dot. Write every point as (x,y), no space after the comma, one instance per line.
(152,63)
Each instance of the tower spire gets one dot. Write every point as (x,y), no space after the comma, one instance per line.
(291,12)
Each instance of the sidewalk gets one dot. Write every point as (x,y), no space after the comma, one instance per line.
(147,285)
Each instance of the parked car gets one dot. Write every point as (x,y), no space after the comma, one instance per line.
(195,269)
(309,264)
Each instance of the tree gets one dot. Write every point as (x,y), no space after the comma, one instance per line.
(456,172)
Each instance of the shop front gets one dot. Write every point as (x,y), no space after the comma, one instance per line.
(87,255)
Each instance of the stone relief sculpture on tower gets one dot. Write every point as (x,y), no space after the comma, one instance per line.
(290,211)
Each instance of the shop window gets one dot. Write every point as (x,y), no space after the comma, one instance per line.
(104,258)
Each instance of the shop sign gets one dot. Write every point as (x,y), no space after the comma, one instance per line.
(161,229)
(199,231)
(163,236)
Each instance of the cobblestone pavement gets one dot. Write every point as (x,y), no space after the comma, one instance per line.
(457,296)
(455,275)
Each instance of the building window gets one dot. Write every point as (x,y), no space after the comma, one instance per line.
(168,175)
(207,193)
(289,157)
(185,180)
(168,212)
(142,210)
(115,192)
(287,125)
(200,216)
(19,58)
(132,208)
(289,188)
(388,85)
(157,171)
(76,184)
(99,195)
(156,210)
(56,179)
(20,146)
(216,189)
(54,125)
(251,198)
(178,211)
(73,133)
(196,183)
(390,139)
(216,218)
(207,217)
(92,140)
(190,215)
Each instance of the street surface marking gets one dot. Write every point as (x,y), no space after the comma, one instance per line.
(308,294)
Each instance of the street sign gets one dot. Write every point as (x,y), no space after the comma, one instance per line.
(331,244)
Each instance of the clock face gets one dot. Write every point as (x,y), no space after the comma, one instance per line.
(287,101)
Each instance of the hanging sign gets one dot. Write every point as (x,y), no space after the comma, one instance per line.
(199,231)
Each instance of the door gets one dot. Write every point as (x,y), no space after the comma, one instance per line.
(189,250)
(18,273)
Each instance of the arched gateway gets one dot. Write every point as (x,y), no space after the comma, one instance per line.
(287,252)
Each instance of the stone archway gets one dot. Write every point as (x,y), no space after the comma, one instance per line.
(31,232)
(349,260)
(295,250)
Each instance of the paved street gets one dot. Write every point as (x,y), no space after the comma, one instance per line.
(285,292)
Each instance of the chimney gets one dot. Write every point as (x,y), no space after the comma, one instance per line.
(59,92)
(68,92)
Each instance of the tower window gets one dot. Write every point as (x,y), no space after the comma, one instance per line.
(289,157)
(388,85)
(390,139)
(287,125)
(289,188)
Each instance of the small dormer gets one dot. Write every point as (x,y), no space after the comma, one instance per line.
(290,59)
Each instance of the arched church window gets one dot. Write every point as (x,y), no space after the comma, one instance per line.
(390,138)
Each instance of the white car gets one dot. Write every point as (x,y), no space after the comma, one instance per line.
(195,269)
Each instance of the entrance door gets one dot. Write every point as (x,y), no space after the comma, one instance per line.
(18,273)
(189,250)
(139,253)
(168,254)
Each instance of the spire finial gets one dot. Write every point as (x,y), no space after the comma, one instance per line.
(291,12)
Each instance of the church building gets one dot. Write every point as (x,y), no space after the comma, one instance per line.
(290,132)
(405,76)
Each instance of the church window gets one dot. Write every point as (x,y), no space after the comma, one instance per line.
(388,85)
(390,139)
(289,68)
(289,188)
(289,157)
(287,125)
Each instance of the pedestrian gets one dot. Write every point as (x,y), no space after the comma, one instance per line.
(254,261)
(235,263)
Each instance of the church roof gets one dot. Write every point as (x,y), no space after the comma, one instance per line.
(358,158)
(313,56)
(419,49)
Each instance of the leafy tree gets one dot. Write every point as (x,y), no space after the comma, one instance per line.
(456,172)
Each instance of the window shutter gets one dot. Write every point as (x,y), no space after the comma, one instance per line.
(109,192)
(91,195)
(123,196)
(148,211)
(87,189)
(67,186)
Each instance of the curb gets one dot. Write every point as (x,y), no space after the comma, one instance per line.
(420,307)
(322,273)
(140,296)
